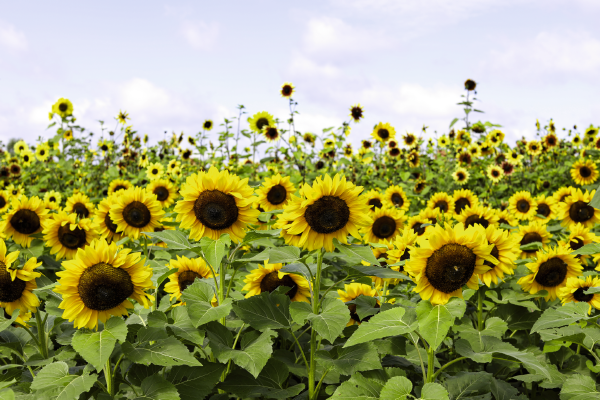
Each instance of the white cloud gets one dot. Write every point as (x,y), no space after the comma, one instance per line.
(303,66)
(200,35)
(11,37)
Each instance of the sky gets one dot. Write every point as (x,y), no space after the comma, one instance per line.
(171,65)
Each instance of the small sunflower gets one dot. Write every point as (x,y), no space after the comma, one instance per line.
(351,292)
(105,226)
(576,141)
(413,159)
(165,191)
(578,237)
(395,195)
(63,107)
(577,209)
(522,205)
(98,282)
(474,150)
(53,196)
(271,133)
(68,135)
(534,148)
(550,271)
(442,202)
(481,215)
(259,120)
(309,138)
(394,152)
(461,176)
(420,185)
(275,192)
(287,89)
(267,278)
(173,165)
(401,250)
(26,217)
(356,112)
(118,184)
(470,85)
(383,132)
(20,147)
(27,158)
(584,172)
(495,173)
(387,224)
(464,198)
(409,139)
(207,125)
(135,211)
(463,138)
(505,251)
(80,204)
(574,290)
(448,259)
(506,218)
(332,209)
(155,171)
(550,140)
(17,285)
(187,272)
(215,203)
(514,157)
(534,232)
(123,117)
(65,233)
(374,199)
(465,158)
(546,206)
(443,141)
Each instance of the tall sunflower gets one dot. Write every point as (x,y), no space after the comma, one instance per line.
(442,202)
(287,89)
(165,191)
(63,107)
(448,259)
(136,211)
(395,195)
(271,133)
(267,278)
(576,209)
(118,184)
(80,204)
(187,271)
(215,203)
(259,120)
(332,209)
(26,217)
(584,172)
(66,233)
(534,232)
(481,215)
(98,282)
(522,205)
(505,251)
(574,290)
(17,285)
(357,112)
(386,226)
(409,139)
(550,271)
(275,192)
(383,132)
(464,198)
(351,292)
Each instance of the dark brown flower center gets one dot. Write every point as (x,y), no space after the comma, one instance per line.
(272,133)
(450,267)
(356,113)
(25,221)
(328,214)
(476,219)
(461,176)
(2,201)
(581,211)
(261,123)
(71,239)
(216,209)
(102,286)
(585,172)
(395,152)
(375,203)
(384,227)
(81,210)
(546,184)
(186,278)
(552,272)
(543,209)
(495,173)
(442,205)
(494,253)
(383,133)
(271,282)
(461,204)
(576,243)
(119,187)
(10,290)
(161,192)
(580,296)
(207,124)
(137,214)
(154,171)
(419,187)
(109,224)
(523,206)
(531,237)
(286,90)
(63,107)
(397,200)
(277,194)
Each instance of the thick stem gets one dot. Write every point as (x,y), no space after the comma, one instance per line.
(312,392)
(221,291)
(439,371)
(43,343)
(109,379)
(430,362)
(480,294)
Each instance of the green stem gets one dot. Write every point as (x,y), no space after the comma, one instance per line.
(221,291)
(384,292)
(109,379)
(416,343)
(439,371)
(224,375)
(312,394)
(43,344)
(430,363)
(480,293)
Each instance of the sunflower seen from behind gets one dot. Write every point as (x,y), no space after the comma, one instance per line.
(574,291)
(268,277)
(187,272)
(66,233)
(522,206)
(584,172)
(387,224)
(215,203)
(275,192)
(166,192)
(550,271)
(27,216)
(135,211)
(81,205)
(505,251)
(99,282)
(448,259)
(576,209)
(396,196)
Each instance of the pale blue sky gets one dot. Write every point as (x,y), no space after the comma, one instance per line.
(172,65)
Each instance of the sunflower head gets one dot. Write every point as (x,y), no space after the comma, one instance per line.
(386,226)
(267,278)
(63,107)
(287,89)
(442,202)
(470,85)
(271,133)
(522,205)
(351,292)
(187,272)
(495,173)
(464,198)
(136,211)
(66,233)
(536,231)
(477,215)
(384,132)
(504,250)
(275,192)
(574,291)
(460,176)
(117,185)
(356,112)
(165,191)
(27,216)
(17,283)
(584,172)
(395,195)
(576,209)
(207,125)
(260,120)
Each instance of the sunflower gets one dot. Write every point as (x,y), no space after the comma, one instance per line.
(463,138)
(470,85)
(98,282)
(394,152)
(474,150)
(173,165)
(574,290)
(550,271)
(155,171)
(448,259)
(419,186)
(80,204)
(481,215)
(348,150)
(534,148)
(416,222)
(395,195)
(401,250)
(215,203)
(17,285)
(275,192)
(464,198)
(522,206)
(409,139)
(20,147)
(103,225)
(259,120)
(495,173)
(26,217)
(4,201)
(387,224)
(269,277)
(207,125)
(118,184)
(53,196)
(576,209)
(546,206)
(187,272)
(63,107)
(65,233)
(578,237)
(505,251)
(68,135)
(576,141)
(284,224)
(165,191)
(351,292)
(442,202)
(309,138)
(383,132)
(465,158)
(374,199)
(356,112)
(584,172)
(332,209)
(271,133)
(381,255)
(550,140)
(287,89)
(413,159)
(135,211)
(460,176)
(443,141)
(561,194)
(534,232)
(514,157)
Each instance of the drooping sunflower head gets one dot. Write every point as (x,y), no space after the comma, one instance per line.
(395,195)
(386,226)
(584,172)
(448,259)
(81,205)
(275,192)
(576,209)
(187,272)
(117,185)
(260,120)
(309,138)
(104,226)
(154,171)
(351,292)
(442,202)
(536,231)
(550,271)
(66,233)
(268,277)
(383,132)
(26,217)
(135,211)
(495,173)
(357,112)
(575,288)
(332,208)
(464,198)
(481,215)
(165,191)
(505,251)
(546,208)
(522,205)
(461,176)
(287,89)
(99,282)
(215,203)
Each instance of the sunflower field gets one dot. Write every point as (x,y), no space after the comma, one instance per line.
(456,266)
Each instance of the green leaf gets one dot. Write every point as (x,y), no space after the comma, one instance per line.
(195,383)
(362,357)
(392,322)
(264,311)
(164,276)
(396,388)
(214,250)
(455,120)
(299,312)
(561,316)
(77,386)
(198,297)
(533,246)
(587,249)
(358,388)
(285,254)
(503,390)
(579,387)
(174,240)
(255,235)
(96,347)
(596,199)
(434,391)
(5,323)
(307,271)
(365,306)
(183,328)
(166,352)
(55,381)
(379,272)
(332,320)
(466,384)
(156,322)
(435,321)
(157,387)
(362,252)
